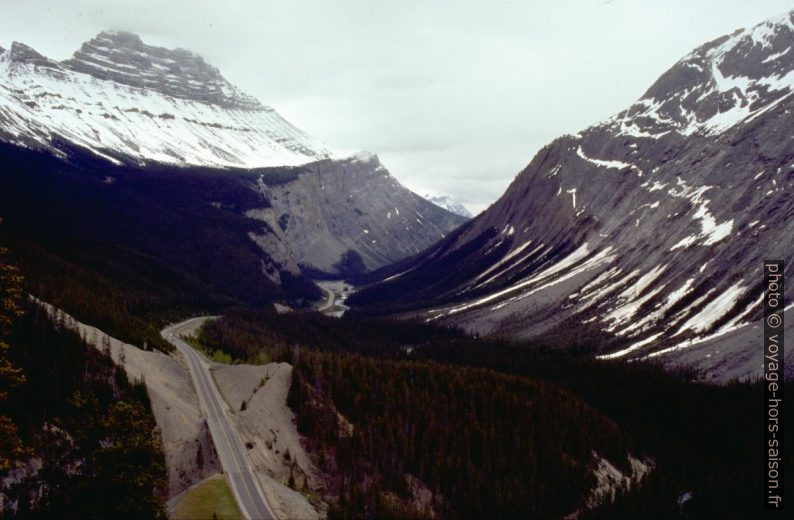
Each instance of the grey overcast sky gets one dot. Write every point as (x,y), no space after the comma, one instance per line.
(454,96)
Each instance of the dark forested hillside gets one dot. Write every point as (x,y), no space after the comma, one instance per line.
(486,444)
(393,380)
(87,444)
(126,248)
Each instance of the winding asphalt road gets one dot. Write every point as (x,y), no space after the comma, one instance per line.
(329,301)
(231,452)
(336,293)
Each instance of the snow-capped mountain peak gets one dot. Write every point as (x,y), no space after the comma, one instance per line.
(123,99)
(449,204)
(731,79)
(123,58)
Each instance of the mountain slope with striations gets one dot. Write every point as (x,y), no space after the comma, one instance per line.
(644,235)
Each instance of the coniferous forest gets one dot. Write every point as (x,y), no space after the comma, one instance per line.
(85,434)
(490,426)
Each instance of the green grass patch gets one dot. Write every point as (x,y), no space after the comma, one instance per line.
(212,498)
(261,358)
(216,355)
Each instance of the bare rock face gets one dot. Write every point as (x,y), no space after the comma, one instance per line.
(21,53)
(331,207)
(123,58)
(644,235)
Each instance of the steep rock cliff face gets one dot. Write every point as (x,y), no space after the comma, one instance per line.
(331,207)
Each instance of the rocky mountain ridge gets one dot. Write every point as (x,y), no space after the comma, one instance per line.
(645,233)
(124,58)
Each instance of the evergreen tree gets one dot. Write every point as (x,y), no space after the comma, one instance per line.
(11,446)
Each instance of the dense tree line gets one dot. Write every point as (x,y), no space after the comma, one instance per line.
(699,435)
(487,444)
(245,332)
(11,376)
(87,445)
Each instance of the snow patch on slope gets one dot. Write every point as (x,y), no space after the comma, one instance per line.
(574,257)
(714,310)
(613,164)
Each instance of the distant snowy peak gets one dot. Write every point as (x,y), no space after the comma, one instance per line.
(449,204)
(121,98)
(732,79)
